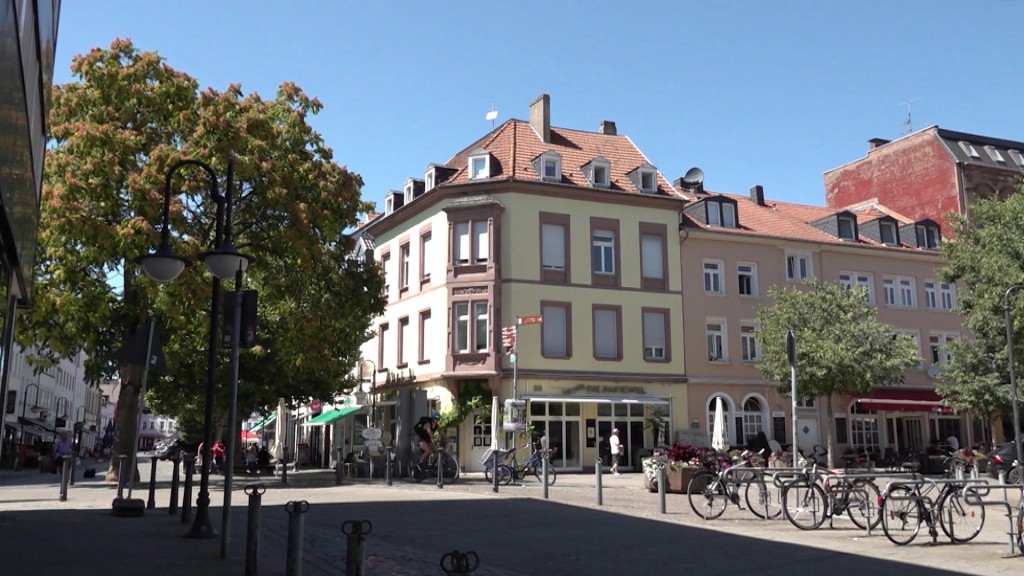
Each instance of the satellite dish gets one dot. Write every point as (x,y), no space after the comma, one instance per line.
(934,371)
(491,115)
(694,177)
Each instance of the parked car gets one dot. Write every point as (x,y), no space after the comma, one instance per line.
(167,449)
(1001,460)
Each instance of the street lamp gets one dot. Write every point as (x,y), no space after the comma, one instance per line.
(164,266)
(372,391)
(1013,380)
(24,404)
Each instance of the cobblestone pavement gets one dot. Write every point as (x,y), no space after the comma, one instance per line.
(515,532)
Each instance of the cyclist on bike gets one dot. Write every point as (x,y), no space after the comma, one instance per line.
(425,429)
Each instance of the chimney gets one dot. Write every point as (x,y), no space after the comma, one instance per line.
(540,116)
(608,127)
(757,194)
(876,142)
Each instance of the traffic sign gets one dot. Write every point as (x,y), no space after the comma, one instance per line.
(524,320)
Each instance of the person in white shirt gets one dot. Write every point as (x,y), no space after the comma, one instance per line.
(616,451)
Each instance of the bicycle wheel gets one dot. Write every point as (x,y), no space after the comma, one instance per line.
(707,495)
(505,474)
(451,469)
(1020,527)
(763,499)
(862,504)
(959,520)
(804,505)
(902,514)
(538,471)
(415,474)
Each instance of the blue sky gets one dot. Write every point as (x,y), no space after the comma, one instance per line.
(772,93)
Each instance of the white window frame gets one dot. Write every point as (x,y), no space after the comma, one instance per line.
(713,283)
(850,223)
(648,180)
(480,166)
(653,350)
(747,270)
(407,191)
(907,292)
(546,160)
(750,351)
(893,232)
(480,241)
(463,246)
(602,250)
(385,261)
(716,333)
(471,320)
(556,250)
(461,314)
(852,279)
(928,236)
(937,347)
(426,242)
(916,337)
(931,295)
(798,266)
(428,179)
(947,296)
(600,174)
(481,326)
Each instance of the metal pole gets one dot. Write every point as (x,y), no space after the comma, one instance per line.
(515,361)
(494,470)
(252,536)
(661,487)
(791,349)
(142,406)
(544,470)
(389,463)
(151,502)
(293,562)
(1013,381)
(235,433)
(440,467)
(597,472)
(355,554)
(176,459)
(284,465)
(65,475)
(121,458)
(186,499)
(339,470)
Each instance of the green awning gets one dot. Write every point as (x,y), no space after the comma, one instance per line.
(259,425)
(332,416)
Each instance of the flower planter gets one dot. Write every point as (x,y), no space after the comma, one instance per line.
(678,479)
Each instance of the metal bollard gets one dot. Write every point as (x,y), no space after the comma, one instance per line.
(65,477)
(661,486)
(597,471)
(121,459)
(284,467)
(151,502)
(295,509)
(355,532)
(252,534)
(494,470)
(339,468)
(186,499)
(389,464)
(544,469)
(456,563)
(175,480)
(440,469)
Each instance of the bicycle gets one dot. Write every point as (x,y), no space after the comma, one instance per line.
(814,496)
(509,469)
(711,490)
(429,468)
(905,505)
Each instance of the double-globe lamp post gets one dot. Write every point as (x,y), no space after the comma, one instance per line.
(1013,381)
(223,262)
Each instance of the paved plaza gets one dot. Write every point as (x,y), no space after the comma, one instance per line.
(515,532)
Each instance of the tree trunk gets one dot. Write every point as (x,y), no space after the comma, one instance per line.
(126,418)
(830,425)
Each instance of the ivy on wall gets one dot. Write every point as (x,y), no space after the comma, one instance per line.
(472,397)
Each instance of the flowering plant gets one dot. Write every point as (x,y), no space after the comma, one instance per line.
(675,457)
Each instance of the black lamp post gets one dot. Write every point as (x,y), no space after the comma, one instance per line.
(164,266)
(1013,381)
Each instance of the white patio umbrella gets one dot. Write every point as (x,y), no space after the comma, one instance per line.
(719,438)
(280,430)
(494,423)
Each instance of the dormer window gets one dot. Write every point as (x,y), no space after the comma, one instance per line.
(408,190)
(598,173)
(429,179)
(927,235)
(549,166)
(1017,157)
(645,178)
(721,212)
(389,204)
(847,228)
(969,149)
(995,155)
(479,165)
(888,233)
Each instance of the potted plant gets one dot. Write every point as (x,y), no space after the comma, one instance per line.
(680,461)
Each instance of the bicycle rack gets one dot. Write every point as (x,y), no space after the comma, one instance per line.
(972,497)
(927,500)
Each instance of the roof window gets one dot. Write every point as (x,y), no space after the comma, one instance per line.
(598,173)
(645,178)
(549,166)
(994,154)
(969,149)
(479,165)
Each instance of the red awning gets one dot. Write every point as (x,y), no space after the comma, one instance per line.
(903,400)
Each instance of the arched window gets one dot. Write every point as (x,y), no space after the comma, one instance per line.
(864,429)
(753,418)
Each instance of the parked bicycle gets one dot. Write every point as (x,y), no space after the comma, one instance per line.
(710,491)
(814,496)
(429,467)
(938,504)
(509,470)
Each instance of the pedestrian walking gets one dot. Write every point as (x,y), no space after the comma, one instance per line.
(616,447)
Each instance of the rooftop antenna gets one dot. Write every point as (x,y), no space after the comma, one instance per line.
(492,115)
(909,122)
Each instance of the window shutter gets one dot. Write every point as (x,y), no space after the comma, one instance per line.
(480,238)
(651,255)
(606,338)
(553,249)
(554,331)
(654,330)
(461,242)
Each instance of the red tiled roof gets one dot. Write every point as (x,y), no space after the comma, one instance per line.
(515,144)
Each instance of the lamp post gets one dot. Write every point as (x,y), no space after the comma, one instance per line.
(373,387)
(1013,380)
(164,266)
(24,404)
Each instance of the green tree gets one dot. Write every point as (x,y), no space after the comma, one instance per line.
(115,132)
(984,257)
(841,346)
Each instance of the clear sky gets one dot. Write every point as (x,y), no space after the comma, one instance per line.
(752,92)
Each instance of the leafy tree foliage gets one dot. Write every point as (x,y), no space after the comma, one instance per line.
(985,257)
(841,346)
(116,131)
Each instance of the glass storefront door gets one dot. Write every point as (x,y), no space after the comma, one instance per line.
(560,421)
(629,419)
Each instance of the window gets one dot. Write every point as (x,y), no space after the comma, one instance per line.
(471,242)
(913,335)
(385,266)
(600,178)
(652,256)
(937,347)
(927,235)
(995,155)
(461,310)
(753,417)
(428,179)
(382,338)
(931,296)
(645,178)
(969,149)
(746,274)
(655,327)
(554,247)
(715,330)
(888,233)
(899,291)
(847,228)
(947,296)
(549,166)
(480,240)
(425,330)
(748,343)
(805,402)
(555,339)
(798,266)
(480,324)
(407,191)
(721,213)
(462,242)
(861,280)
(403,270)
(1017,157)
(479,165)
(404,341)
(425,256)
(864,432)
(607,333)
(713,277)
(906,294)
(604,251)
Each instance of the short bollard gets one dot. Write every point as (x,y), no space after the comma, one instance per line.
(545,454)
(440,469)
(456,563)
(355,532)
(252,534)
(295,509)
(186,499)
(284,467)
(65,477)
(151,501)
(175,480)
(339,468)
(494,470)
(661,486)
(597,473)
(389,464)
(121,460)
